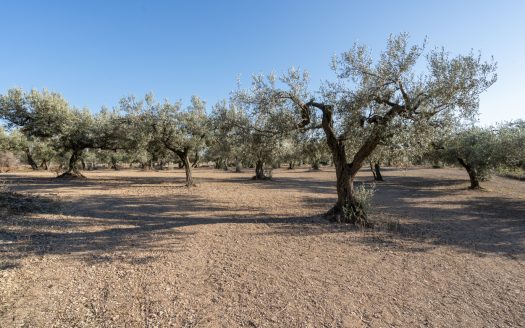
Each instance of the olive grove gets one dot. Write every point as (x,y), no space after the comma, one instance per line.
(371,97)
(379,108)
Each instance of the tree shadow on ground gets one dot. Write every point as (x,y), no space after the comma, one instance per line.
(434,212)
(431,212)
(101,227)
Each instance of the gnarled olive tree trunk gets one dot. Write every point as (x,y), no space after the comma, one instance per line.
(184,157)
(72,169)
(347,208)
(376,171)
(472,173)
(196,161)
(114,163)
(30,160)
(259,171)
(44,165)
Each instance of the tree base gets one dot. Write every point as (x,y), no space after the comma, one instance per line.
(264,177)
(71,175)
(356,217)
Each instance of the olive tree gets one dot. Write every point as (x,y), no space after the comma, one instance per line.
(475,149)
(7,157)
(264,120)
(292,151)
(48,116)
(178,130)
(315,150)
(511,145)
(371,95)
(227,143)
(43,115)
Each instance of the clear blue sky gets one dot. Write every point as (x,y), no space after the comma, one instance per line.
(95,52)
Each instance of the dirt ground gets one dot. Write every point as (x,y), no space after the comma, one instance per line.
(137,249)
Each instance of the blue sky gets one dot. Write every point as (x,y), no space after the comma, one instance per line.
(95,52)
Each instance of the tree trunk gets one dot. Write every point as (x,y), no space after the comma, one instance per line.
(83,163)
(291,165)
(183,155)
(44,165)
(114,163)
(376,171)
(30,160)
(472,173)
(72,170)
(146,166)
(237,165)
(196,161)
(259,171)
(344,186)
(315,165)
(346,209)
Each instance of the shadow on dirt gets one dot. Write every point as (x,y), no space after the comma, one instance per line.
(436,212)
(432,212)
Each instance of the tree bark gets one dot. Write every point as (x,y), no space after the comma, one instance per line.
(72,170)
(114,163)
(259,171)
(183,155)
(291,165)
(346,209)
(472,173)
(376,171)
(315,165)
(30,160)
(196,161)
(44,165)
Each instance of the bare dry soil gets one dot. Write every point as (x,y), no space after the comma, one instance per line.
(138,249)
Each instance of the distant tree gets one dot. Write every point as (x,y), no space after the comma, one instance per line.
(7,157)
(511,144)
(292,150)
(405,145)
(264,121)
(227,143)
(315,150)
(370,98)
(48,116)
(475,150)
(181,131)
(19,144)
